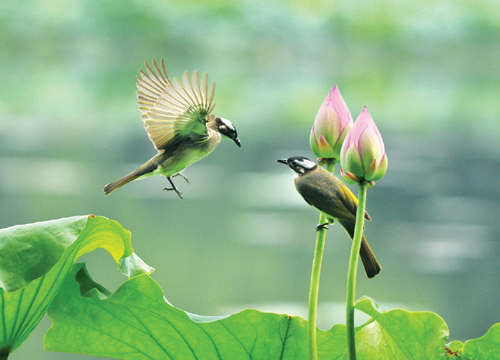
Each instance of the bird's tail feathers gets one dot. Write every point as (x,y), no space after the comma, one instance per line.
(372,266)
(370,263)
(144,169)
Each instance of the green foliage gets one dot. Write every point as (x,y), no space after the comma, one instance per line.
(400,334)
(35,260)
(30,251)
(486,347)
(136,321)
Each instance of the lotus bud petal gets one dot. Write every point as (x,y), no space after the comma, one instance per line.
(349,178)
(356,164)
(331,126)
(380,171)
(363,151)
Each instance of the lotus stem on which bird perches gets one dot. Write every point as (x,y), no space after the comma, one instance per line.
(315,274)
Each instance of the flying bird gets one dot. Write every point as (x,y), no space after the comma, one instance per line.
(179,123)
(325,192)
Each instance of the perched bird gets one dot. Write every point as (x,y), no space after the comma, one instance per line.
(330,196)
(178,121)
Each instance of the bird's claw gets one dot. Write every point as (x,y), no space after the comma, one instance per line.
(183,176)
(176,191)
(323,226)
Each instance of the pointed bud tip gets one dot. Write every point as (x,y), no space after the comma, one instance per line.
(335,89)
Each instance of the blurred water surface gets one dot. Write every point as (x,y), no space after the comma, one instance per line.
(243,237)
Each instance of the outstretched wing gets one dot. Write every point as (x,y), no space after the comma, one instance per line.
(172,111)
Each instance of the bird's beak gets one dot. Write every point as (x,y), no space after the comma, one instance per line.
(283,161)
(237,141)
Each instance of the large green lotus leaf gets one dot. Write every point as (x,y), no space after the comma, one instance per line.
(136,322)
(400,334)
(486,347)
(35,260)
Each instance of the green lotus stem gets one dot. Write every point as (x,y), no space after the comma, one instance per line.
(353,266)
(316,270)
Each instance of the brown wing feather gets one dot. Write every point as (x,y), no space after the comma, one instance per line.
(328,194)
(171,111)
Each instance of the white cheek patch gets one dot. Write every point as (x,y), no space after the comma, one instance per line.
(228,124)
(306,164)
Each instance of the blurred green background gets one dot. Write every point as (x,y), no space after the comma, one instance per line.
(428,72)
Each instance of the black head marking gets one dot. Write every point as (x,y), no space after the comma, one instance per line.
(226,128)
(299,164)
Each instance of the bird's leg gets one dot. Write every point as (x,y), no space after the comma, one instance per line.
(173,188)
(322,226)
(184,176)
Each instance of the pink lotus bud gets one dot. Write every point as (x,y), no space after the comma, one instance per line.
(331,126)
(363,153)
